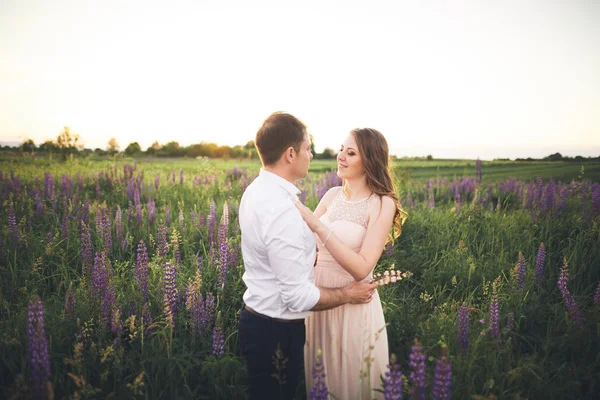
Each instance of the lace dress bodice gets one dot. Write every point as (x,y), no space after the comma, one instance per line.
(348,220)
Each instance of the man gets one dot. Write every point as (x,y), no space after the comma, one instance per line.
(279,252)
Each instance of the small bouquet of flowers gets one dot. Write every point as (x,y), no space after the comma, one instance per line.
(390,276)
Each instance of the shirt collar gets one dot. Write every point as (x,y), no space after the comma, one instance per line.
(278,180)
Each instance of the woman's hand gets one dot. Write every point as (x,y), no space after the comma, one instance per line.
(309,217)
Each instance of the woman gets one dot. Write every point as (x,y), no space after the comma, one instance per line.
(352,224)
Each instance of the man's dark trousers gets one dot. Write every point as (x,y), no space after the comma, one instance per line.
(274,354)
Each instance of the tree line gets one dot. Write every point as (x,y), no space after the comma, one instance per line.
(68,144)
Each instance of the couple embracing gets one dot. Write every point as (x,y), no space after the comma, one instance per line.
(309,274)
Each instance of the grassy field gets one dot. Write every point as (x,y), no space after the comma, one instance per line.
(139,278)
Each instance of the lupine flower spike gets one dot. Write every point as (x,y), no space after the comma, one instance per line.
(442,377)
(319,389)
(392,382)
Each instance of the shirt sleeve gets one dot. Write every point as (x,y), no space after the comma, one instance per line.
(286,249)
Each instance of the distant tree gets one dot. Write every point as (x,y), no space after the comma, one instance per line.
(68,142)
(48,146)
(312,146)
(223,152)
(99,152)
(429,157)
(171,149)
(554,157)
(154,148)
(133,149)
(327,154)
(28,146)
(112,146)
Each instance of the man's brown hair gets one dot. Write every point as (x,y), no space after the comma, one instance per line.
(279,132)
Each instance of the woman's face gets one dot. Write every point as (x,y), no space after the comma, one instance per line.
(350,163)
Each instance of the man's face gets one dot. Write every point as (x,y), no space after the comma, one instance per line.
(304,157)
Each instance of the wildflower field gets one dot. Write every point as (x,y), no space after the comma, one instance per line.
(122,279)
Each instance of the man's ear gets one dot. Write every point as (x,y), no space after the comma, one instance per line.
(289,154)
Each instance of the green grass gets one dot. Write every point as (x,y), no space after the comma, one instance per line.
(544,357)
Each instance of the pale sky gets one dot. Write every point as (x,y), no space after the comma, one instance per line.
(455,78)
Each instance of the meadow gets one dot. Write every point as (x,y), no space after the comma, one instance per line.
(121,278)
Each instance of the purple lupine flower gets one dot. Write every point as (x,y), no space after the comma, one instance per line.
(302,196)
(597,295)
(494,317)
(442,377)
(98,278)
(596,198)
(39,205)
(550,192)
(146,319)
(98,188)
(70,302)
(521,272)
(162,241)
(319,390)
(195,306)
(417,375)
(392,382)
(12,225)
(223,255)
(106,231)
(539,264)
(539,187)
(139,215)
(37,346)
(181,176)
(408,201)
(102,290)
(141,270)
(218,349)
(170,295)
(569,300)
(48,185)
(119,224)
(563,277)
(209,313)
(151,211)
(463,328)
(87,257)
(510,321)
(65,226)
(108,304)
(168,215)
(478,171)
(564,198)
(388,249)
(233,254)
(431,195)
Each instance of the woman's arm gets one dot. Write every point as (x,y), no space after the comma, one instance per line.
(358,264)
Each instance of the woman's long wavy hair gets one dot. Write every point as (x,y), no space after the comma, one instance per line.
(374,152)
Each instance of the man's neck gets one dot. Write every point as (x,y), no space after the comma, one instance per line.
(281,172)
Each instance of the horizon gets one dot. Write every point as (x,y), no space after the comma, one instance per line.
(458,79)
(537,154)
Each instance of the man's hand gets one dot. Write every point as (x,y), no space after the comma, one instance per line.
(360,292)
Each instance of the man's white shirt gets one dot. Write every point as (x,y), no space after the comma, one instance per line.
(278,249)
